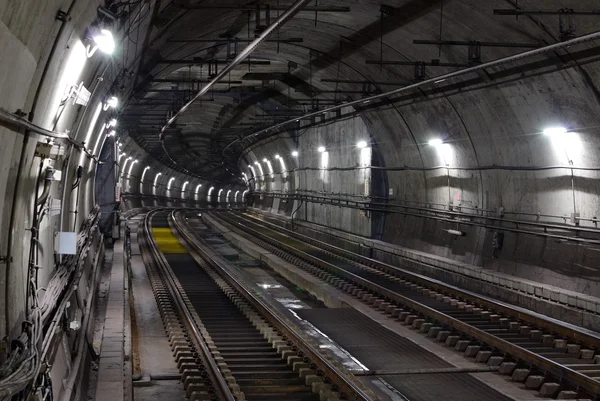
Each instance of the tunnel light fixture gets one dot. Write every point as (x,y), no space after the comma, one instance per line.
(104,41)
(277,156)
(295,153)
(361,144)
(436,142)
(249,166)
(321,149)
(555,131)
(111,102)
(265,160)
(112,133)
(170,183)
(198,188)
(257,163)
(112,123)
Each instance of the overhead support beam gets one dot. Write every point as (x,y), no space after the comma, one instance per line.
(180,90)
(280,21)
(199,61)
(272,7)
(432,63)
(384,98)
(570,11)
(358,82)
(342,92)
(289,13)
(233,40)
(475,43)
(190,81)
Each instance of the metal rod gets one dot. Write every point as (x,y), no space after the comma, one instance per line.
(273,7)
(474,43)
(350,81)
(545,12)
(233,40)
(289,13)
(205,61)
(432,81)
(413,63)
(189,81)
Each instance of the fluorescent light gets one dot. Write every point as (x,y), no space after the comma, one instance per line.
(277,156)
(105,41)
(265,160)
(361,144)
(435,142)
(555,131)
(321,149)
(113,102)
(295,153)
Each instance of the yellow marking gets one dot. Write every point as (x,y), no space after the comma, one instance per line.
(167,241)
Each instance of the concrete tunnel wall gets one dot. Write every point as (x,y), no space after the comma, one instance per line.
(28,37)
(500,126)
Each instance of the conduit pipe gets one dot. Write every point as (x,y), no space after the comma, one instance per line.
(15,120)
(242,56)
(436,80)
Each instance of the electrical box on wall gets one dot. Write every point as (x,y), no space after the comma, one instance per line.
(42,149)
(66,243)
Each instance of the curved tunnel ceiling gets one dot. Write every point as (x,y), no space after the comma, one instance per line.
(330,53)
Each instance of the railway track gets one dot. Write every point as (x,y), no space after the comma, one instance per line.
(553,357)
(227,343)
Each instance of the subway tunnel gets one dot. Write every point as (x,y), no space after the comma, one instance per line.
(298,200)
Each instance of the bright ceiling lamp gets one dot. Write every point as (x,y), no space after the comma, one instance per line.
(111,123)
(361,144)
(277,156)
(321,149)
(555,131)
(103,41)
(113,133)
(295,153)
(435,142)
(111,102)
(265,160)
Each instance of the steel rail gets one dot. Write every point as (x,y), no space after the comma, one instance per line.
(576,333)
(433,81)
(559,371)
(157,257)
(347,387)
